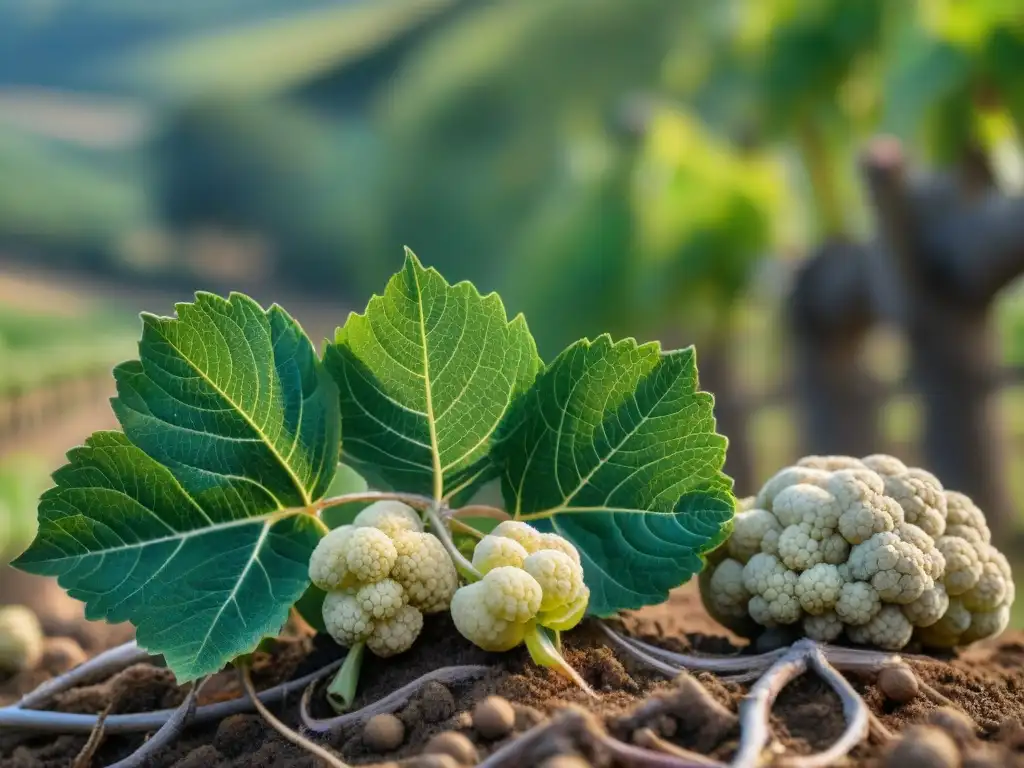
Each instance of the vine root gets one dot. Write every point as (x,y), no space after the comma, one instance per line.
(99,666)
(62,722)
(325,756)
(168,732)
(389,703)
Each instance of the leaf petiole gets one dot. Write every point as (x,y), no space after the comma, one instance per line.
(342,690)
(465,568)
(545,654)
(414,500)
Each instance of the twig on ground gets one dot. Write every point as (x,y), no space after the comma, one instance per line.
(168,732)
(756,707)
(62,722)
(855,710)
(581,726)
(389,703)
(292,736)
(777,669)
(84,758)
(727,664)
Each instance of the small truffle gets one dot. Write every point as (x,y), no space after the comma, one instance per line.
(955,723)
(61,654)
(494,717)
(899,684)
(565,761)
(455,744)
(383,733)
(925,746)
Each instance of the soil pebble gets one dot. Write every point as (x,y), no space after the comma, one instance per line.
(494,718)
(924,746)
(565,761)
(383,733)
(958,725)
(436,702)
(899,684)
(61,654)
(455,744)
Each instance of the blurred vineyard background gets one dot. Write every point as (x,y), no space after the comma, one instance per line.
(682,170)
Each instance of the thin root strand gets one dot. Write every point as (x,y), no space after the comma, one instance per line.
(294,737)
(168,732)
(389,703)
(62,722)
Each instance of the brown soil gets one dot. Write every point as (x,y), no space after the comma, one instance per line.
(986,682)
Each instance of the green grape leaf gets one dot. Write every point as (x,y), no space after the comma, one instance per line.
(615,449)
(192,524)
(233,400)
(425,377)
(201,584)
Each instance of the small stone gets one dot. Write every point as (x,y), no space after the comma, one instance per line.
(201,757)
(924,746)
(954,722)
(899,684)
(238,734)
(775,638)
(436,702)
(527,717)
(565,761)
(455,744)
(987,756)
(383,733)
(432,761)
(61,654)
(494,717)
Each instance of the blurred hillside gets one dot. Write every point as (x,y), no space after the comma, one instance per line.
(678,170)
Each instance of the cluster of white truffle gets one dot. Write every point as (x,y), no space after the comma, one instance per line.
(868,547)
(381,575)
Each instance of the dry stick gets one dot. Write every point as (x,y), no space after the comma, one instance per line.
(101,665)
(636,757)
(295,738)
(168,732)
(84,758)
(38,720)
(575,721)
(756,706)
(389,703)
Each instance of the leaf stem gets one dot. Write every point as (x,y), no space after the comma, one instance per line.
(295,738)
(342,690)
(442,532)
(414,500)
(461,527)
(477,510)
(545,654)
